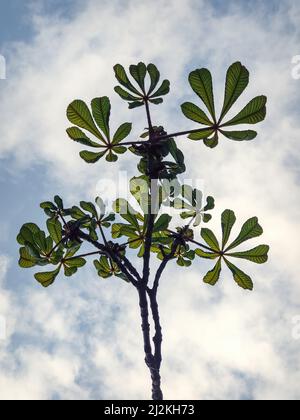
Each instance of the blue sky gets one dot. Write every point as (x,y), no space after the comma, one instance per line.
(57,344)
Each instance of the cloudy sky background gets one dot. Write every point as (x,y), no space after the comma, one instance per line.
(80,339)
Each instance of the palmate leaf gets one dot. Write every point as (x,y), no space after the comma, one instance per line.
(136,97)
(253,113)
(258,255)
(101,109)
(201,83)
(237,80)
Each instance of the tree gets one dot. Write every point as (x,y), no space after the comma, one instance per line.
(147,230)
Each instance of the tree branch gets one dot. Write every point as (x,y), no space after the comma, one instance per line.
(108,252)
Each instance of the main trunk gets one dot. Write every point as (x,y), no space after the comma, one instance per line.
(153,361)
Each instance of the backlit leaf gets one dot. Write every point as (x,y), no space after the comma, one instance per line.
(237,80)
(213,276)
(201,83)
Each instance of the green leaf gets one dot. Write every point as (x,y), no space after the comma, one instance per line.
(70,271)
(103,267)
(210,203)
(154,77)
(79,114)
(136,104)
(126,211)
(59,202)
(253,113)
(122,78)
(207,255)
(139,73)
(120,150)
(196,114)
(207,217)
(26,233)
(77,135)
(122,277)
(212,142)
(77,213)
(26,260)
(240,135)
(125,95)
(258,255)
(251,229)
(201,83)
(123,131)
(163,90)
(241,278)
(75,262)
(210,239)
(204,134)
(213,276)
(228,220)
(111,157)
(40,240)
(47,205)
(162,223)
(46,279)
(55,230)
(237,80)
(91,157)
(101,112)
(72,251)
(89,207)
(157,101)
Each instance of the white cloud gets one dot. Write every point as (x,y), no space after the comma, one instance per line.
(221,342)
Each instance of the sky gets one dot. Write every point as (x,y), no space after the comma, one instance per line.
(80,338)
